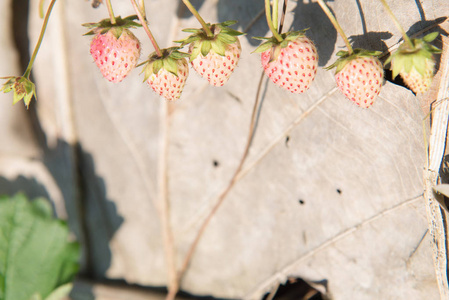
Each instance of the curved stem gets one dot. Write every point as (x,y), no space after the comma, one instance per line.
(198,17)
(270,22)
(39,41)
(146,28)
(398,25)
(336,25)
(111,12)
(275,14)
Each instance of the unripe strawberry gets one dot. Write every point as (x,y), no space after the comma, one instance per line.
(292,63)
(415,63)
(214,57)
(359,76)
(114,48)
(167,74)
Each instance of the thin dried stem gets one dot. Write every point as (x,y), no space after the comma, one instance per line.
(167,232)
(222,196)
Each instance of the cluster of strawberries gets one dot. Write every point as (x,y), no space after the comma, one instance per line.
(290,62)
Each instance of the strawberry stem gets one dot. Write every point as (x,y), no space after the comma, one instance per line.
(336,25)
(270,22)
(39,41)
(142,8)
(146,28)
(398,25)
(275,14)
(198,17)
(111,12)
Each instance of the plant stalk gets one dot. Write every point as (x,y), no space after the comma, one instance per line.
(336,25)
(39,41)
(275,15)
(142,8)
(147,29)
(198,17)
(270,22)
(111,12)
(398,25)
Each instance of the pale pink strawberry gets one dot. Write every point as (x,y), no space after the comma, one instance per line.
(115,57)
(292,63)
(359,76)
(167,74)
(415,62)
(216,68)
(360,80)
(214,57)
(114,47)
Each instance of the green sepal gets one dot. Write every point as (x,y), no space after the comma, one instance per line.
(430,37)
(345,57)
(105,25)
(273,42)
(205,47)
(167,61)
(23,89)
(227,23)
(417,55)
(200,42)
(218,47)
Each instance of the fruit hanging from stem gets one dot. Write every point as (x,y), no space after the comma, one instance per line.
(114,47)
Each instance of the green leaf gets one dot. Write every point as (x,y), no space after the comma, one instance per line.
(171,66)
(219,47)
(228,23)
(35,254)
(60,292)
(430,37)
(263,47)
(205,47)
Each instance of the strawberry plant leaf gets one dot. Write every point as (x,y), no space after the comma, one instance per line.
(430,37)
(34,248)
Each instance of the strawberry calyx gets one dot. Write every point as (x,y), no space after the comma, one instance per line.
(105,26)
(22,87)
(345,57)
(200,42)
(416,56)
(167,61)
(277,46)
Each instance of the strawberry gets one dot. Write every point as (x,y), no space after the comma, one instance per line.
(292,63)
(415,63)
(214,57)
(114,48)
(167,74)
(359,76)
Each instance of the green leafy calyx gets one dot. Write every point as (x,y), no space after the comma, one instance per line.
(202,44)
(272,42)
(345,57)
(105,26)
(22,87)
(419,55)
(168,61)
